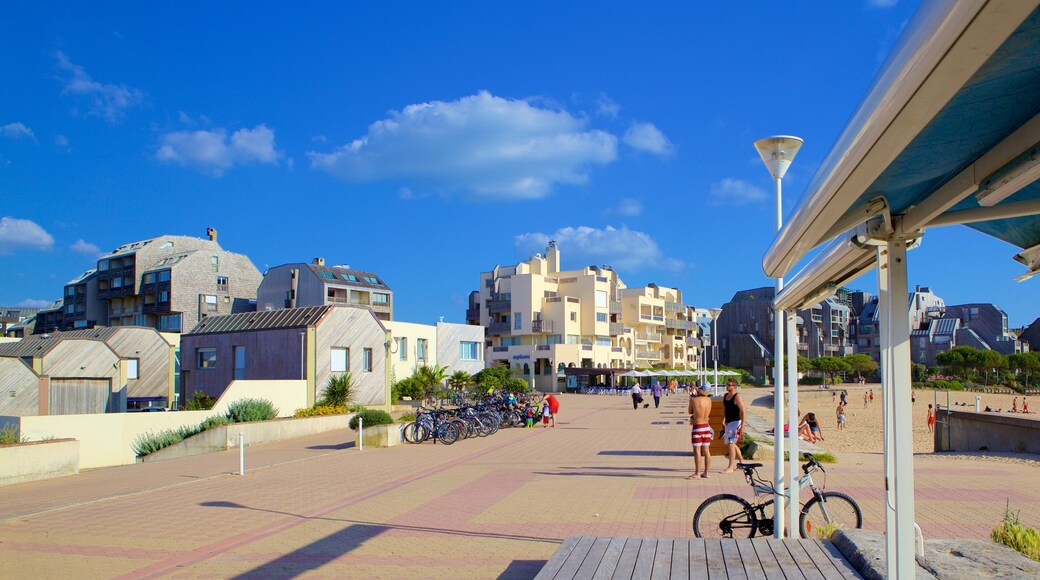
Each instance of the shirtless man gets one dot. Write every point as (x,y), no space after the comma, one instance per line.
(700,433)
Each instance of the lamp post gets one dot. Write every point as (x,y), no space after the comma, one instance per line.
(715,347)
(777,153)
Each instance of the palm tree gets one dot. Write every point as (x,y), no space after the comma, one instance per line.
(430,378)
(459,380)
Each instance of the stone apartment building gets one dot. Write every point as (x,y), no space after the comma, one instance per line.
(315,284)
(168,283)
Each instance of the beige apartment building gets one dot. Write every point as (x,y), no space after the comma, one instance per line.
(547,323)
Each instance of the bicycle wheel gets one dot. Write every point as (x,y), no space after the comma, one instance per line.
(837,510)
(448,433)
(725,516)
(410,431)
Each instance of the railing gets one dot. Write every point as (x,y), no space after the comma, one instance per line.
(586,347)
(541,326)
(617,349)
(615,307)
(472,314)
(499,306)
(649,336)
(500,349)
(543,347)
(337,300)
(496,328)
(616,328)
(573,299)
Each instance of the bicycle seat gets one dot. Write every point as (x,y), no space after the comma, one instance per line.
(749,465)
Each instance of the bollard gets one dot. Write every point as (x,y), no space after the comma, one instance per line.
(978,404)
(361,433)
(241,453)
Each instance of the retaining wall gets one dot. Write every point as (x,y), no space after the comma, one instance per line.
(971,431)
(20,462)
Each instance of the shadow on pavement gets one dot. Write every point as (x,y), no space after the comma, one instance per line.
(648,453)
(667,469)
(522,569)
(316,554)
(602,474)
(346,445)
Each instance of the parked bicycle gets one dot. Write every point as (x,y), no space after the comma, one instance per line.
(731,516)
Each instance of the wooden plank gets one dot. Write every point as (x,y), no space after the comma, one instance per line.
(831,552)
(734,564)
(802,560)
(662,567)
(823,563)
(752,565)
(645,560)
(784,560)
(716,562)
(593,558)
(698,559)
(627,561)
(681,559)
(610,558)
(767,559)
(558,558)
(576,557)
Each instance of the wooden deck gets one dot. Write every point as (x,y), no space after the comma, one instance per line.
(581,557)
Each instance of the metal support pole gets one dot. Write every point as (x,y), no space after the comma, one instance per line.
(902,414)
(778,393)
(887,396)
(361,433)
(241,453)
(715,350)
(793,418)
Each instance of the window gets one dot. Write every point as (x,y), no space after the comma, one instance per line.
(602,341)
(554,339)
(574,316)
(164,276)
(402,348)
(166,246)
(380,298)
(164,296)
(102,265)
(373,280)
(149,278)
(572,339)
(340,360)
(366,360)
(467,350)
(117,282)
(70,309)
(207,358)
(350,277)
(216,264)
(171,322)
(601,317)
(69,291)
(601,299)
(239,353)
(517,321)
(222,284)
(211,303)
(327,275)
(420,350)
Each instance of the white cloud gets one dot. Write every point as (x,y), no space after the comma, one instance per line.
(61,140)
(16,233)
(647,137)
(624,249)
(606,107)
(34,303)
(213,152)
(104,100)
(482,144)
(627,207)
(17,131)
(732,191)
(883,3)
(85,248)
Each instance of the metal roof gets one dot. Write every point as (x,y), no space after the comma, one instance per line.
(955,110)
(339,276)
(264,320)
(35,346)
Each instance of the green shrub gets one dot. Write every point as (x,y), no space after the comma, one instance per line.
(200,402)
(947,385)
(249,410)
(409,387)
(826,531)
(1013,534)
(406,418)
(338,391)
(321,411)
(212,422)
(372,418)
(9,435)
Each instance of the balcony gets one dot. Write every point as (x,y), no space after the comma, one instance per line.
(543,347)
(615,308)
(500,349)
(616,329)
(498,328)
(649,336)
(617,349)
(499,306)
(541,326)
(473,314)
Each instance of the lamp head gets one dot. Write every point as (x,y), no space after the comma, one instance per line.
(778,152)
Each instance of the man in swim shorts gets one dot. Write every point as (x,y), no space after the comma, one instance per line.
(700,433)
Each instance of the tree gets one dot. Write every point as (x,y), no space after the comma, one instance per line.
(1025,363)
(499,378)
(459,380)
(957,360)
(985,360)
(430,378)
(804,364)
(830,365)
(861,363)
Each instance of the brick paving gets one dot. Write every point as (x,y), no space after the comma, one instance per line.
(484,508)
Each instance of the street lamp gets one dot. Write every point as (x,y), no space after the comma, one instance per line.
(777,153)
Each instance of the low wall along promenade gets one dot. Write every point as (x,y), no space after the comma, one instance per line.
(970,431)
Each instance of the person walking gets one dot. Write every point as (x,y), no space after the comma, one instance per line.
(844,397)
(554,406)
(871,395)
(733,417)
(637,395)
(866,400)
(840,412)
(931,418)
(656,389)
(701,435)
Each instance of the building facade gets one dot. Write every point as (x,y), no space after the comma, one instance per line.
(315,284)
(168,283)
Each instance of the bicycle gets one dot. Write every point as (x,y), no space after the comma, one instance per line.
(731,516)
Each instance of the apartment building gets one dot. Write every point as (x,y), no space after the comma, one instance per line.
(664,331)
(924,308)
(1030,335)
(315,284)
(15,317)
(541,320)
(455,347)
(168,283)
(825,329)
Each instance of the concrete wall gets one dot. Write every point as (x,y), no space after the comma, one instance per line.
(38,460)
(287,396)
(971,431)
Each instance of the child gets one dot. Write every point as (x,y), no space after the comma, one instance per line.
(529,413)
(546,415)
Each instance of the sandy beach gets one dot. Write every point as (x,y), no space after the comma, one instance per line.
(863,432)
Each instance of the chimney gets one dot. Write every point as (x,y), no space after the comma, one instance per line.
(319,261)
(212,233)
(552,256)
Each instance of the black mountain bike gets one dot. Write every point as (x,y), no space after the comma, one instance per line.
(731,516)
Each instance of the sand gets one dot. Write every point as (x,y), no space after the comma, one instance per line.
(863,428)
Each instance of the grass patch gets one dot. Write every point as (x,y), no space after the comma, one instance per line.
(406,418)
(1014,535)
(826,531)
(9,435)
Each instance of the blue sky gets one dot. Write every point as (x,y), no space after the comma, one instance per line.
(431,141)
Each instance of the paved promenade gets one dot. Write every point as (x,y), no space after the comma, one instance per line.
(483,508)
